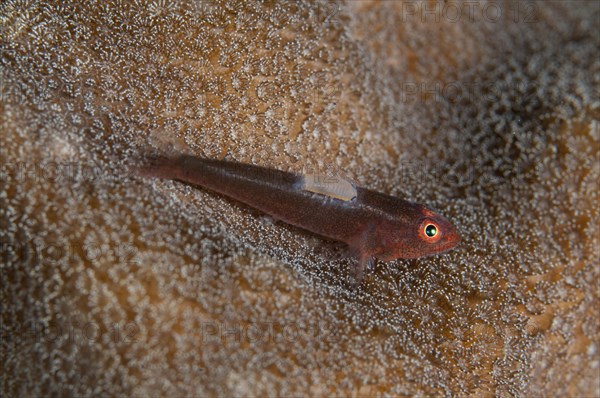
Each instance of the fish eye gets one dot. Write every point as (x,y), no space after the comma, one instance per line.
(431,230)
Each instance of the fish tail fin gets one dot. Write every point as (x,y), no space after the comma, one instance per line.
(156,166)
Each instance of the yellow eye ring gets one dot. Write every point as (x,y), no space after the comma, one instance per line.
(430,231)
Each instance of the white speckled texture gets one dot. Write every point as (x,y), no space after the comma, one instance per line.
(115,285)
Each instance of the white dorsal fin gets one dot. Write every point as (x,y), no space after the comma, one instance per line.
(329,185)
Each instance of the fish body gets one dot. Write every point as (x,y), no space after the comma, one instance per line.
(372,224)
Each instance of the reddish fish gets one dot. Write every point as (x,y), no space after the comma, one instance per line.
(374,225)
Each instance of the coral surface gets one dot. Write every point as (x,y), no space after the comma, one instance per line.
(116,285)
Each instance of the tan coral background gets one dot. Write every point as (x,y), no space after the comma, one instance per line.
(111,284)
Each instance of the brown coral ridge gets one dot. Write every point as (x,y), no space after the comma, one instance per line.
(115,286)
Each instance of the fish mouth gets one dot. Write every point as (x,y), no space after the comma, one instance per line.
(452,240)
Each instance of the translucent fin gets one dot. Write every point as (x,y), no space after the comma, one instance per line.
(329,185)
(364,263)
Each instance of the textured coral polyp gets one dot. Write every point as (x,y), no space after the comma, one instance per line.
(116,285)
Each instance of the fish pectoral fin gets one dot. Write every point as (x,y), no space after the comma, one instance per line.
(362,249)
(365,263)
(371,264)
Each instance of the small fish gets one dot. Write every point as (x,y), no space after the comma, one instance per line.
(373,225)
